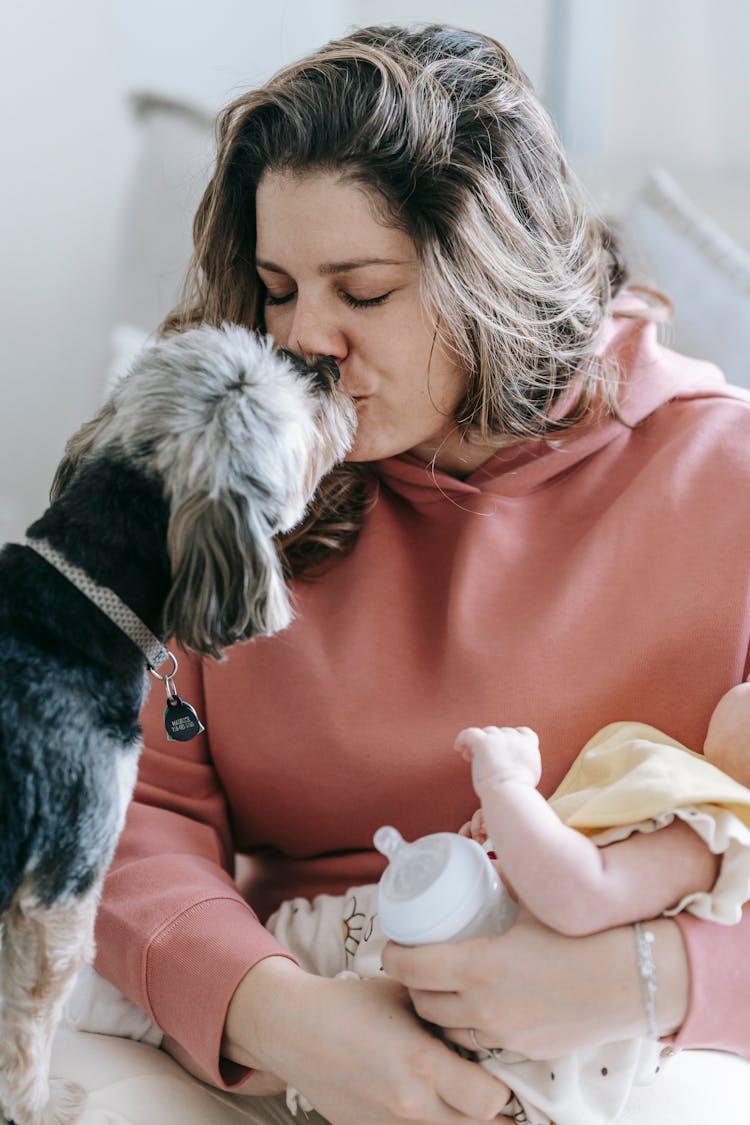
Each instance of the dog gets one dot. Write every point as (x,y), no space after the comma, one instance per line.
(162,522)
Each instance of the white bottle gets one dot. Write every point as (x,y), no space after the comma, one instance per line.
(441,887)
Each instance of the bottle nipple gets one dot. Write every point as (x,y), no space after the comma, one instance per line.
(388,840)
(437,888)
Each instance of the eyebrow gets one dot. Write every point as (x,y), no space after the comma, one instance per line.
(341,267)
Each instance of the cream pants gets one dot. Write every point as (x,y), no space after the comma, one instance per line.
(131,1083)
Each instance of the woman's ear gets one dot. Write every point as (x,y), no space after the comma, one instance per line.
(227,580)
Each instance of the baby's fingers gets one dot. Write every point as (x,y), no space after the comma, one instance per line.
(479,827)
(468,741)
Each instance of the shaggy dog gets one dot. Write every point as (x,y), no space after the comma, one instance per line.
(162,523)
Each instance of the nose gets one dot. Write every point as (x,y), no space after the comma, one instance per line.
(314,333)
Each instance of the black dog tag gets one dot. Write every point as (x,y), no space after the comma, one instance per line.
(180,720)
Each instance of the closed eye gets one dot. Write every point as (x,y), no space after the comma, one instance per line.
(353,302)
(367,303)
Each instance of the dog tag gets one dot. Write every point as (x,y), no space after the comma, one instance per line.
(180,720)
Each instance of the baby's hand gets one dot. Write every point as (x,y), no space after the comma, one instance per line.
(475,829)
(500,754)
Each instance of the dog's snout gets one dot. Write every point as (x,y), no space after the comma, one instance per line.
(327,370)
(323,367)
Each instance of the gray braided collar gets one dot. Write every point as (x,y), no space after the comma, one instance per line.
(105,599)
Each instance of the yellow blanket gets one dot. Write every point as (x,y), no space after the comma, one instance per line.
(630,772)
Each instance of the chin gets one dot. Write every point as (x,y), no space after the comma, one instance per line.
(376,451)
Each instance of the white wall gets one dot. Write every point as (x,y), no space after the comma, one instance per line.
(636,80)
(66,152)
(678,85)
(662,83)
(521,25)
(68,145)
(207,52)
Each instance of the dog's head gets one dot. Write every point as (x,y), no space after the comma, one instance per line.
(240,434)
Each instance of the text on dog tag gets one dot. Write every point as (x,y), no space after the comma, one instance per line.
(180,720)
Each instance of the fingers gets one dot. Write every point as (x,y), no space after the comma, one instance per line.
(446,966)
(469,1092)
(448,1010)
(479,827)
(468,740)
(448,984)
(475,829)
(471,738)
(462,1037)
(500,754)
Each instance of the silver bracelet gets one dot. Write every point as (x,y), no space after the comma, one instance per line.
(644,940)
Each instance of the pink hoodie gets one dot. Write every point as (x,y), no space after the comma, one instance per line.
(560,588)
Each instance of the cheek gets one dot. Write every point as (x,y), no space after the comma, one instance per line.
(276,325)
(443,388)
(431,376)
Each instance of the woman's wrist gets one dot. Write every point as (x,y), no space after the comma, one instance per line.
(663,1013)
(256,1007)
(658,1011)
(671,976)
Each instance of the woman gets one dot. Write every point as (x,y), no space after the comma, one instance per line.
(534,528)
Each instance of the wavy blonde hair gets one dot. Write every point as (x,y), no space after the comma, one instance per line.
(446,133)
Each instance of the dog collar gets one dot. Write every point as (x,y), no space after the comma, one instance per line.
(105,599)
(180,720)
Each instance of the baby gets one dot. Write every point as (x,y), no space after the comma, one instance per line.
(677,829)
(676,826)
(629,778)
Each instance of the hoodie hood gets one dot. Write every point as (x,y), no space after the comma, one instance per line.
(656,376)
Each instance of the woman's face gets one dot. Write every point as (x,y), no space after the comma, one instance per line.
(340,283)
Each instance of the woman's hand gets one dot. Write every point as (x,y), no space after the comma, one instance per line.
(535,992)
(355,1049)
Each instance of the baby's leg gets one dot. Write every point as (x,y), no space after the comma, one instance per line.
(328,934)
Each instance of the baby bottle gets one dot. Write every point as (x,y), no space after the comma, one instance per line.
(441,887)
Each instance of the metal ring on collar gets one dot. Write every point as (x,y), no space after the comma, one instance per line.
(168,675)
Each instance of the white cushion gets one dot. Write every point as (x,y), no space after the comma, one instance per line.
(675,246)
(172,168)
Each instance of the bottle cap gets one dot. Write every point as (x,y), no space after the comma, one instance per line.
(434,888)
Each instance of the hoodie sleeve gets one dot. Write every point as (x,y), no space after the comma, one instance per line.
(719,985)
(173,932)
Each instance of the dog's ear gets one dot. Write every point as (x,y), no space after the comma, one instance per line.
(77,447)
(227,580)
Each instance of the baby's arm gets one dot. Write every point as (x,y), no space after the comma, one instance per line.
(563,878)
